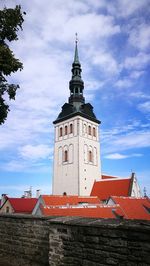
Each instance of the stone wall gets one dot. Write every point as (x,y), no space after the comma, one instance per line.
(23,241)
(33,241)
(95,242)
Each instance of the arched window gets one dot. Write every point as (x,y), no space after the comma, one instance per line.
(66,130)
(71,128)
(90,156)
(89,130)
(66,156)
(94,132)
(60,132)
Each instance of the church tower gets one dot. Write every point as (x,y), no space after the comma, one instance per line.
(76,149)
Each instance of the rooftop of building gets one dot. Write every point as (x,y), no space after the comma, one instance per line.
(57,200)
(112,186)
(21,205)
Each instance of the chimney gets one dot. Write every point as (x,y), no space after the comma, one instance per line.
(133,175)
(3,199)
(38,192)
(28,193)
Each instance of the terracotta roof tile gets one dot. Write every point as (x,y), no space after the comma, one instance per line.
(97,212)
(134,208)
(106,188)
(22,205)
(55,200)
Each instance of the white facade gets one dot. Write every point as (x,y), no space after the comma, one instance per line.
(135,192)
(76,156)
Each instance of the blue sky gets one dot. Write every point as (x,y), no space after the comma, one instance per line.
(114,46)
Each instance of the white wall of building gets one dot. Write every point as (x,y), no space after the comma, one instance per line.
(136,192)
(76,175)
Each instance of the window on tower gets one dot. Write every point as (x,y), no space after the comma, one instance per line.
(66,156)
(66,130)
(89,130)
(94,132)
(60,132)
(90,156)
(71,128)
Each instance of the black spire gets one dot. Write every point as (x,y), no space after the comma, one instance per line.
(76,105)
(76,84)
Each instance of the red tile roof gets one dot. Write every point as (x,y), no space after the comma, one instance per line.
(123,207)
(55,200)
(22,205)
(134,208)
(111,187)
(97,212)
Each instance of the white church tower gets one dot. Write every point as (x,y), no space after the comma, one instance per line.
(77,148)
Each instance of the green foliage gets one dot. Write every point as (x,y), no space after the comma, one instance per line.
(10,22)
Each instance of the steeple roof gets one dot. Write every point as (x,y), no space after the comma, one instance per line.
(76,103)
(76,56)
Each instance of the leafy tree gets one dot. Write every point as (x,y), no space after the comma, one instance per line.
(10,22)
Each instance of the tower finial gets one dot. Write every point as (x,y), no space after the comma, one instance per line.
(76,57)
(76,37)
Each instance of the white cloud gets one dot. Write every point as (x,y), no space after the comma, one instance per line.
(125,8)
(40,151)
(136,74)
(118,156)
(122,138)
(139,95)
(140,36)
(123,83)
(106,62)
(139,61)
(133,140)
(144,107)
(26,165)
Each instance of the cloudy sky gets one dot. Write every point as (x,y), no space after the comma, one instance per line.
(114,46)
